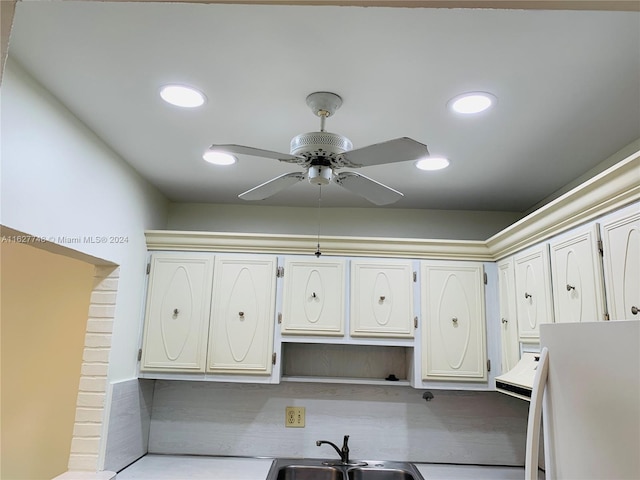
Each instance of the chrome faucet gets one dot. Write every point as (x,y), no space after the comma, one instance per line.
(344,452)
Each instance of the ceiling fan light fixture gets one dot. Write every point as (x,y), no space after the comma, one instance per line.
(472,102)
(432,163)
(219,158)
(182,96)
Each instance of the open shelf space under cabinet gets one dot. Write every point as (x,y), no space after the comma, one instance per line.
(344,363)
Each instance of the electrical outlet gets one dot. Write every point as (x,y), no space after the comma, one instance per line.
(294,417)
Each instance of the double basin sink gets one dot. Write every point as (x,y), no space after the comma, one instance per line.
(311,469)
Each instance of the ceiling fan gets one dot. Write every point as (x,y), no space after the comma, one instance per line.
(322,153)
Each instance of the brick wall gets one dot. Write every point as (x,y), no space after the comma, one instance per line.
(90,406)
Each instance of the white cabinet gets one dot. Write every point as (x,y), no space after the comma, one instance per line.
(576,272)
(313,297)
(453,340)
(533,292)
(510,345)
(177,316)
(621,245)
(242,315)
(381,299)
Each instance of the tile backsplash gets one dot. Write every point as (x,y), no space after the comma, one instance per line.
(384,422)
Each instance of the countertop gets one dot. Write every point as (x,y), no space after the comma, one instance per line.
(179,467)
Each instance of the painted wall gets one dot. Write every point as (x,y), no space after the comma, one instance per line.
(45,300)
(61,182)
(385,422)
(378,222)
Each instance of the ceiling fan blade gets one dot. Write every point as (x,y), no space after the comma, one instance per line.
(373,191)
(256,152)
(267,189)
(392,151)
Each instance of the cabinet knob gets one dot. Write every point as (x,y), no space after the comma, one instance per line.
(634,310)
(570,287)
(175,312)
(241,314)
(504,320)
(527,295)
(382,297)
(455,320)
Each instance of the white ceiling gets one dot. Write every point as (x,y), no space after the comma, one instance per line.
(567,82)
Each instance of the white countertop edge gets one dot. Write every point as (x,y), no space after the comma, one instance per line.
(71,475)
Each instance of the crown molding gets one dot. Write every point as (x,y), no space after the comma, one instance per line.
(610,190)
(307,245)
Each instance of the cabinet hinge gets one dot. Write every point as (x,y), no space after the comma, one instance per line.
(280,272)
(600,247)
(415,277)
(606,317)
(273,358)
(148,268)
(139,354)
(489,365)
(415,322)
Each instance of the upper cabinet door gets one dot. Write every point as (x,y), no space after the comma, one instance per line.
(621,246)
(381,299)
(177,315)
(508,315)
(313,297)
(576,270)
(533,292)
(242,315)
(453,339)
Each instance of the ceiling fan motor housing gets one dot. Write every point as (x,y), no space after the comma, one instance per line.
(321,146)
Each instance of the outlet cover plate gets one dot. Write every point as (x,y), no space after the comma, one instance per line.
(294,417)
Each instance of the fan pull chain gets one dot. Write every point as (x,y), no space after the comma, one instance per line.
(318,252)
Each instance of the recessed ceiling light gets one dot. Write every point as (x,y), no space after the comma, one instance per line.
(182,96)
(472,102)
(219,158)
(432,163)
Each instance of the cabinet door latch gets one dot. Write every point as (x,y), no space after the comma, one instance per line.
(273,358)
(279,318)
(415,277)
(415,322)
(280,272)
(488,365)
(139,354)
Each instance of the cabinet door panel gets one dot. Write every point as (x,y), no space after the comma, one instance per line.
(178,300)
(242,318)
(578,293)
(621,244)
(453,312)
(313,297)
(533,292)
(381,299)
(454,321)
(508,316)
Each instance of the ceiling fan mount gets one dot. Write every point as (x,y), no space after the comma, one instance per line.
(324,104)
(322,152)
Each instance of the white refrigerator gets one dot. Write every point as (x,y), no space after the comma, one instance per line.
(591,401)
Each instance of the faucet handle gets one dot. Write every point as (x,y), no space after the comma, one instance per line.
(345,442)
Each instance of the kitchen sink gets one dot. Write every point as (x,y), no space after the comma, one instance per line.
(309,472)
(380,474)
(317,469)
